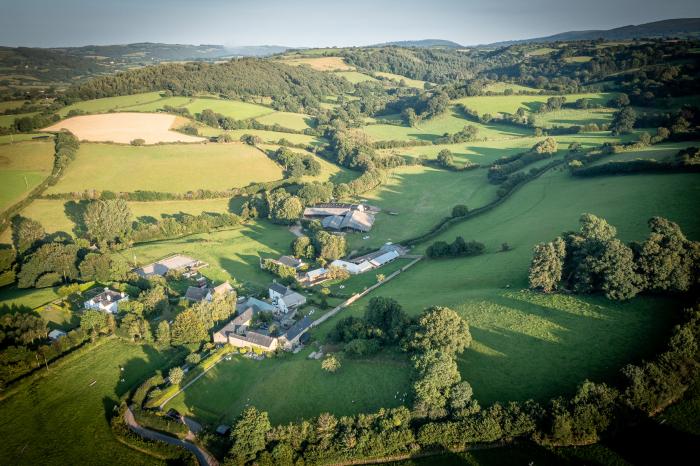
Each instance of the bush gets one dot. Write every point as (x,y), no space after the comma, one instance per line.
(138,142)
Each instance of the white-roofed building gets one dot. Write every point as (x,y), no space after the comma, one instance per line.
(384,258)
(107,301)
(351,267)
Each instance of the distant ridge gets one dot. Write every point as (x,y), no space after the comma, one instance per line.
(683,27)
(424,43)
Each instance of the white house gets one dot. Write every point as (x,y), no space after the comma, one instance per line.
(107,301)
(285,299)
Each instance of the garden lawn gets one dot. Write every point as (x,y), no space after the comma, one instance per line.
(61,417)
(23,166)
(293,387)
(230,108)
(166,168)
(232,254)
(112,103)
(510,103)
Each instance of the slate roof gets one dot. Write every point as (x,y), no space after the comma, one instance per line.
(222,289)
(195,293)
(281,289)
(293,299)
(297,328)
(290,261)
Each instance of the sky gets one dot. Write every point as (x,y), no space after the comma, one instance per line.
(315,23)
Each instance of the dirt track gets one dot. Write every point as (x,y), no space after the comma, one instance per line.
(124,128)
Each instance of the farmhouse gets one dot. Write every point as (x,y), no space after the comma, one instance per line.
(107,301)
(291,339)
(201,293)
(236,333)
(336,216)
(185,264)
(286,300)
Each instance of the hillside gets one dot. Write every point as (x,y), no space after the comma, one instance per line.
(424,43)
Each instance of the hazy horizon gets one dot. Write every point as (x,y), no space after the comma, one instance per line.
(314,23)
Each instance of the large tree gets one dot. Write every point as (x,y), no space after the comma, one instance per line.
(108,221)
(441,329)
(26,234)
(547,265)
(187,328)
(387,315)
(55,260)
(249,436)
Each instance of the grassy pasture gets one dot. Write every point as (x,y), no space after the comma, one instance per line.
(48,421)
(397,78)
(232,254)
(296,121)
(11,105)
(176,101)
(266,136)
(500,87)
(319,63)
(568,117)
(166,168)
(22,167)
(112,103)
(12,138)
(578,59)
(359,386)
(663,151)
(8,120)
(528,344)
(495,104)
(329,171)
(421,196)
(231,108)
(354,76)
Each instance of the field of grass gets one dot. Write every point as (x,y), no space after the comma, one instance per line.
(397,78)
(231,108)
(296,121)
(449,122)
(266,136)
(232,254)
(31,298)
(320,63)
(12,138)
(354,76)
(293,387)
(112,103)
(495,104)
(569,117)
(8,120)
(177,101)
(166,168)
(11,104)
(578,59)
(527,344)
(420,197)
(500,87)
(62,416)
(329,171)
(663,151)
(22,167)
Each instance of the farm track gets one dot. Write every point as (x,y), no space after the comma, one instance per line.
(203,457)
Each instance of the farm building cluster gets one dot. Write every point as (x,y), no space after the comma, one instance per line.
(342,217)
(356,265)
(186,265)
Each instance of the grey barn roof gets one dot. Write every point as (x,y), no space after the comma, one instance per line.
(281,289)
(297,328)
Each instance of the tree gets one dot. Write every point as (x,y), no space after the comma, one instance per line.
(163,333)
(437,374)
(460,210)
(283,207)
(95,322)
(441,329)
(108,221)
(445,158)
(249,436)
(337,273)
(155,300)
(187,328)
(51,264)
(193,358)
(620,280)
(547,146)
(26,234)
(547,265)
(330,246)
(176,375)
(303,248)
(138,142)
(380,277)
(331,363)
(623,121)
(387,315)
(96,266)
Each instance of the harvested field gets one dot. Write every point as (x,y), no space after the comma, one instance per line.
(124,128)
(321,63)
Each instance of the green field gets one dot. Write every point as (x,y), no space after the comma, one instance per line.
(329,171)
(12,138)
(22,167)
(307,390)
(511,103)
(8,120)
(232,255)
(266,136)
(500,87)
(295,121)
(397,78)
(354,76)
(663,151)
(61,416)
(112,103)
(569,117)
(166,168)
(230,108)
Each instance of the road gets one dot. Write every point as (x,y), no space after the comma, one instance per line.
(204,458)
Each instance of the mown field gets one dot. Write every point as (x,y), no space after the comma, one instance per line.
(295,121)
(511,103)
(112,103)
(570,117)
(23,166)
(293,387)
(61,417)
(166,168)
(319,63)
